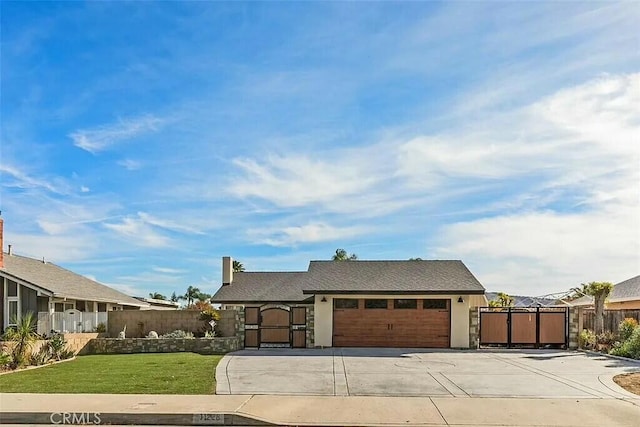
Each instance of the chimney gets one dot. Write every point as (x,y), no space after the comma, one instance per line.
(9,250)
(1,243)
(227,270)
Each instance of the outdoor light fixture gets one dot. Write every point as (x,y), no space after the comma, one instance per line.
(460,299)
(324,299)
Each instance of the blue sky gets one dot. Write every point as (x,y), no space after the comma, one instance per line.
(142,141)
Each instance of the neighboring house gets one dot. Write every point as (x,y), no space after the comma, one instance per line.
(624,296)
(158,304)
(524,301)
(38,286)
(355,303)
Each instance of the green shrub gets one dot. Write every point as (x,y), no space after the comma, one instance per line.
(630,347)
(626,327)
(587,339)
(177,334)
(101,328)
(5,360)
(57,347)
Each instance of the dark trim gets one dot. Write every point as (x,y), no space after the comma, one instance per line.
(379,292)
(263,302)
(26,282)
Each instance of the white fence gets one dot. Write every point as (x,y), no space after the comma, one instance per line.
(70,321)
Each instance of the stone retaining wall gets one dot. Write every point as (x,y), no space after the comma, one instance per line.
(216,345)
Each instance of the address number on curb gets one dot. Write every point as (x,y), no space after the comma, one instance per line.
(208,419)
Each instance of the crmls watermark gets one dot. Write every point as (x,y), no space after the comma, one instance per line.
(75,418)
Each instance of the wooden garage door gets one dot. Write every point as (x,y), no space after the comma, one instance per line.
(391,323)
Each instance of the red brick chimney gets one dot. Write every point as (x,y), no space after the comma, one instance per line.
(1,243)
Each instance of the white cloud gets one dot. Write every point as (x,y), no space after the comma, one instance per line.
(168,224)
(139,232)
(167,270)
(24,180)
(103,137)
(309,233)
(130,164)
(589,150)
(84,189)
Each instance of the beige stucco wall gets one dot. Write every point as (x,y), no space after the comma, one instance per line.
(623,305)
(459,315)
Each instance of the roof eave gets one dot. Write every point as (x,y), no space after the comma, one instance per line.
(395,292)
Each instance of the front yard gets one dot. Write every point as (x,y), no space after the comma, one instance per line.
(163,373)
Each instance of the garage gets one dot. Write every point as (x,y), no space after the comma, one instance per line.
(381,322)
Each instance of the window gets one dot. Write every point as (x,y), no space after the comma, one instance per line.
(58,307)
(13,312)
(102,307)
(434,304)
(12,289)
(345,303)
(375,303)
(405,303)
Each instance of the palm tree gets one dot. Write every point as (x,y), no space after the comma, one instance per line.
(191,295)
(203,297)
(342,255)
(157,295)
(175,298)
(23,335)
(237,267)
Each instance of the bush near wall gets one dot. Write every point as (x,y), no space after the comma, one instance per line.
(140,322)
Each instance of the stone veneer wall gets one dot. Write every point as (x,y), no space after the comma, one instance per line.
(310,336)
(575,319)
(474,327)
(217,345)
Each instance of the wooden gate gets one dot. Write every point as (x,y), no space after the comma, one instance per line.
(524,326)
(275,326)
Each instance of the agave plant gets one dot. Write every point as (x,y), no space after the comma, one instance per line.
(22,335)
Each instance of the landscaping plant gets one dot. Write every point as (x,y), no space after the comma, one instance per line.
(626,327)
(587,339)
(5,361)
(630,347)
(178,334)
(22,336)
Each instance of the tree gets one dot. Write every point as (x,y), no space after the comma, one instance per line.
(203,297)
(157,295)
(175,298)
(599,291)
(502,300)
(22,335)
(415,259)
(342,255)
(191,295)
(237,267)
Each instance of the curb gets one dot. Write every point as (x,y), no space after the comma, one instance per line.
(611,356)
(96,418)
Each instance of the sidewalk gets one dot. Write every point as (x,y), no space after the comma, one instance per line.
(314,410)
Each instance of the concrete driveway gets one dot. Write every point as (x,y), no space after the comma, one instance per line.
(418,372)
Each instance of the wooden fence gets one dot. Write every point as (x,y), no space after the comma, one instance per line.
(612,318)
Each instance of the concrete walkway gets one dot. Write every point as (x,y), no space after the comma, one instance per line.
(316,410)
(422,373)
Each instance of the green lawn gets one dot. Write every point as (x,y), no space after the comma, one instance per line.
(162,373)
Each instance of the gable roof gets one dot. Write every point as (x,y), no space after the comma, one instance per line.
(391,277)
(623,291)
(629,289)
(62,282)
(263,286)
(351,277)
